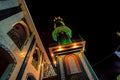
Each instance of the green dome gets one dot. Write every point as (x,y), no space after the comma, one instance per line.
(61,29)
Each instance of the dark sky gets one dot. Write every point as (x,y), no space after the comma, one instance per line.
(98,26)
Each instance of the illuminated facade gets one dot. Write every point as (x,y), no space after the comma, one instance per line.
(22,55)
(68,56)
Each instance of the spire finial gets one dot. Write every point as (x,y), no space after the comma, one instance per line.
(57,18)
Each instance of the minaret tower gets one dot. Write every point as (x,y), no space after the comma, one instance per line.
(68,56)
(61,33)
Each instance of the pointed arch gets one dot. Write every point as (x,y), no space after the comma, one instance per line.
(25,27)
(72,61)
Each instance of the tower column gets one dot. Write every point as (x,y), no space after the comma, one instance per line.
(61,68)
(86,67)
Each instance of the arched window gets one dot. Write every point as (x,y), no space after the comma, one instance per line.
(19,34)
(36,58)
(30,77)
(72,64)
(7,64)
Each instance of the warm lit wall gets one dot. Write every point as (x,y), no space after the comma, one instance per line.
(5,26)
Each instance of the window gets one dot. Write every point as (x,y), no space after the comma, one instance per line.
(35,60)
(19,34)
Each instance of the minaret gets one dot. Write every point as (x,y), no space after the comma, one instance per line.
(68,56)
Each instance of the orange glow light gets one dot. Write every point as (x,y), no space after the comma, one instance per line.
(22,54)
(75,45)
(55,62)
(52,55)
(60,48)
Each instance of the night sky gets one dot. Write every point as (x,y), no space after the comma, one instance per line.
(96,25)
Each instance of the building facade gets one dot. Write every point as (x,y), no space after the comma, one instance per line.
(22,55)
